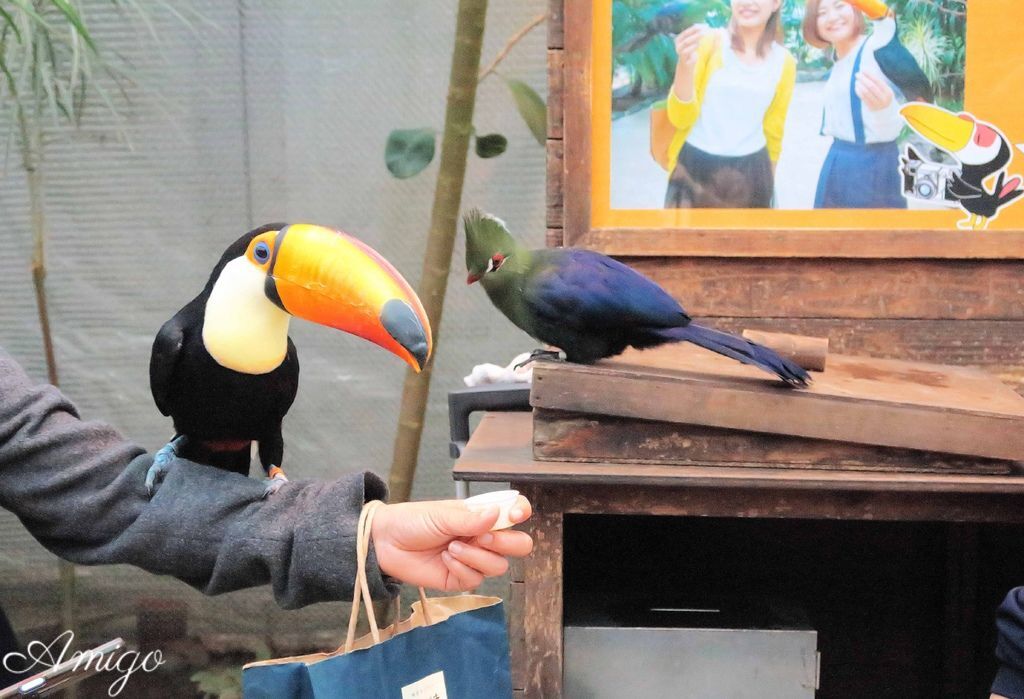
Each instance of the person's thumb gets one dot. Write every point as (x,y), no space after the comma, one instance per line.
(458,520)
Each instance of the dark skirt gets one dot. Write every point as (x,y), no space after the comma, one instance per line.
(701,180)
(864,176)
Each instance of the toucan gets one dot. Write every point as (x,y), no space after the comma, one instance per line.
(893,58)
(223,367)
(981,150)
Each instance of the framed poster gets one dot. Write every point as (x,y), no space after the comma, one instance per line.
(806,128)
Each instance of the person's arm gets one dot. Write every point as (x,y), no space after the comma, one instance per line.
(79,489)
(775,116)
(694,47)
(1009,679)
(882,111)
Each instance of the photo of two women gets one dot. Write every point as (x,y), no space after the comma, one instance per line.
(786,104)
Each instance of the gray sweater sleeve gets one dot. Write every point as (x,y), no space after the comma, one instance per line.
(79,488)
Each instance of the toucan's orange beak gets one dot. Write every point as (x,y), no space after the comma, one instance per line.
(330,278)
(875,9)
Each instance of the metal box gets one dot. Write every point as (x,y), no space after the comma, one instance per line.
(604,662)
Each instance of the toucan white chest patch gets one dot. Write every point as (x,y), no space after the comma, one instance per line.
(242,329)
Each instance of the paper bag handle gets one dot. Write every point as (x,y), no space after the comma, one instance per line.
(362,586)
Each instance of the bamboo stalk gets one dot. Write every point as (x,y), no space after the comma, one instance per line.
(458,127)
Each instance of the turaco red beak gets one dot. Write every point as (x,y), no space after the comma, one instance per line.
(330,278)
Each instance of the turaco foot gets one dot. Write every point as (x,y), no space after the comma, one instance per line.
(275,480)
(161,461)
(549,355)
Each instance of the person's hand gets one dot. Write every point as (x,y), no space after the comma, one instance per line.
(686,42)
(443,545)
(873,90)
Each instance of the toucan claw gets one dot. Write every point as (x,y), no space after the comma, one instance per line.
(161,461)
(275,481)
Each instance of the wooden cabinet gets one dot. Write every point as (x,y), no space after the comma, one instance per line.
(899,572)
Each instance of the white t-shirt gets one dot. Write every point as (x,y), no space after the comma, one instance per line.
(879,127)
(731,121)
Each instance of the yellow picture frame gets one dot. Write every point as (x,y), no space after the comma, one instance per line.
(992,33)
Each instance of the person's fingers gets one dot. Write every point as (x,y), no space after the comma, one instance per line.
(452,518)
(864,93)
(873,87)
(488,563)
(867,78)
(520,511)
(506,543)
(460,576)
(693,31)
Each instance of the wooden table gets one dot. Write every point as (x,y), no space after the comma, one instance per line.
(500,450)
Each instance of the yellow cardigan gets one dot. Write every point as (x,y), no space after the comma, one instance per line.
(683,115)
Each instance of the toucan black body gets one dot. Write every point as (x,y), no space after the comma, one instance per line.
(222,411)
(969,189)
(226,371)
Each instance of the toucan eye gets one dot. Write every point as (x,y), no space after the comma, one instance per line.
(261,252)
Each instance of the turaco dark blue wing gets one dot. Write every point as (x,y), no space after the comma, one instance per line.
(588,290)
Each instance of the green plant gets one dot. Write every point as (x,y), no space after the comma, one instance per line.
(408,152)
(926,45)
(224,680)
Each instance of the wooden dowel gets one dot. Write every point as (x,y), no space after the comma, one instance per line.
(808,352)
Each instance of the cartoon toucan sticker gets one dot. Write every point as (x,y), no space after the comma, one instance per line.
(981,152)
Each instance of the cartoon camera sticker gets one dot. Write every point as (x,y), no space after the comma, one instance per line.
(981,153)
(927,180)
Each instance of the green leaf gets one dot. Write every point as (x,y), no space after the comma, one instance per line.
(10,22)
(72,15)
(491,145)
(408,151)
(531,107)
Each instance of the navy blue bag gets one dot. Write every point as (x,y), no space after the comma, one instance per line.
(449,648)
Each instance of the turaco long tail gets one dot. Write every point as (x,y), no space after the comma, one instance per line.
(591,306)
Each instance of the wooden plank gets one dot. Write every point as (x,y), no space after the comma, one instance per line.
(555,92)
(515,606)
(993,345)
(856,399)
(758,503)
(500,450)
(553,188)
(916,289)
(555,24)
(542,609)
(555,169)
(657,242)
(576,126)
(515,570)
(561,436)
